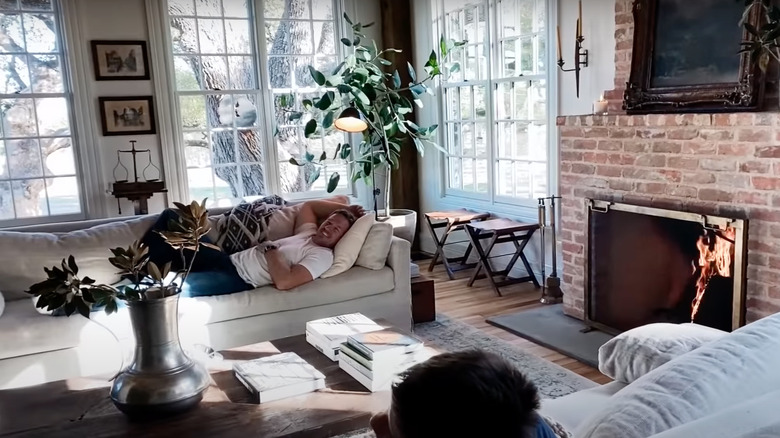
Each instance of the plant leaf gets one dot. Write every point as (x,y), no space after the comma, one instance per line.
(327,121)
(346,18)
(314,175)
(412,73)
(333,182)
(396,80)
(347,42)
(294,162)
(311,127)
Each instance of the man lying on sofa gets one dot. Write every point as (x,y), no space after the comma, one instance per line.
(286,263)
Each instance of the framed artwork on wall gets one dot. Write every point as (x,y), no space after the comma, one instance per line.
(686,58)
(120,60)
(127,115)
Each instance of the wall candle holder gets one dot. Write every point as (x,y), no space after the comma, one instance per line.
(580,54)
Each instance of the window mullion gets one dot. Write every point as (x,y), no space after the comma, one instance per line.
(271,164)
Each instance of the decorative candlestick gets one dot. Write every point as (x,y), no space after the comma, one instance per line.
(580,54)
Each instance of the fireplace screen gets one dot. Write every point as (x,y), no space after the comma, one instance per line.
(648,265)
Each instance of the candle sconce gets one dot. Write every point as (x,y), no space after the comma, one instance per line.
(580,54)
(580,61)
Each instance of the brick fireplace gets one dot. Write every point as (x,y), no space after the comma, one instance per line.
(719,164)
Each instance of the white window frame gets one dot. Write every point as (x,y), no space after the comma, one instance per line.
(171,131)
(523,208)
(66,17)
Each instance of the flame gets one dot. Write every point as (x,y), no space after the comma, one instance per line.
(715,256)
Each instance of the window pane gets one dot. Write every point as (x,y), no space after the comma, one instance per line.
(24,158)
(468,175)
(29,198)
(12,27)
(209,8)
(8,5)
(505,178)
(14,70)
(59,156)
(322,9)
(40,32)
(187,71)
(200,182)
(6,201)
(181,7)
(211,35)
(455,173)
(54,119)
(192,111)
(63,195)
(46,73)
(238,36)
(18,117)
(482,176)
(235,8)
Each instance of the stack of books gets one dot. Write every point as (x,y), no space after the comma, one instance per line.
(327,334)
(374,359)
(278,376)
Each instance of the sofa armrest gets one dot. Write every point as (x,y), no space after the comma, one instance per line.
(399,258)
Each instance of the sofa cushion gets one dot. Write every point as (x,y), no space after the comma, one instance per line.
(632,354)
(355,283)
(246,224)
(373,254)
(90,247)
(720,374)
(571,410)
(347,250)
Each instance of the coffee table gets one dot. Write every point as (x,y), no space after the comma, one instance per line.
(81,407)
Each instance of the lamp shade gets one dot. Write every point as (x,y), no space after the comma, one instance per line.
(350,121)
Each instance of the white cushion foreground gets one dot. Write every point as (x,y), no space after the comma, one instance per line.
(738,367)
(632,354)
(373,254)
(346,251)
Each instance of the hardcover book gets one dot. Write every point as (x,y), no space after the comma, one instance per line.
(278,376)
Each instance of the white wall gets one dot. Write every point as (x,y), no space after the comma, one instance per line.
(113,20)
(599,32)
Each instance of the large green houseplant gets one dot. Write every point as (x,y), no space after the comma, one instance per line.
(161,379)
(764,44)
(360,87)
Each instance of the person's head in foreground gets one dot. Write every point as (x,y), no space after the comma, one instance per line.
(334,228)
(464,394)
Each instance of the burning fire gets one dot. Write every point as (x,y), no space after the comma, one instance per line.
(715,255)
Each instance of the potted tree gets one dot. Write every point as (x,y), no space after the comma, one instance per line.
(161,379)
(359,96)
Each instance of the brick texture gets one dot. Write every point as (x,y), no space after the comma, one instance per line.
(724,164)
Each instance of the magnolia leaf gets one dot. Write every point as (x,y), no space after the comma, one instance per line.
(309,157)
(211,246)
(323,156)
(346,150)
(72,265)
(294,116)
(311,127)
(307,104)
(333,182)
(346,18)
(383,61)
(344,88)
(347,42)
(338,68)
(318,77)
(325,101)
(167,268)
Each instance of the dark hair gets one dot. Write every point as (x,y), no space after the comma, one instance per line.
(465,394)
(347,214)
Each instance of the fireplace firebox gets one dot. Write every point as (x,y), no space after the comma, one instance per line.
(646,265)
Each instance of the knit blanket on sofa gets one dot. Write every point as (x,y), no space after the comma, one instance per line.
(246,224)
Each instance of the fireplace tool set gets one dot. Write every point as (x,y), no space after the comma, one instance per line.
(551,286)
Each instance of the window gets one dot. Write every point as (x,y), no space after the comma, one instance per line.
(235,89)
(494,108)
(38,173)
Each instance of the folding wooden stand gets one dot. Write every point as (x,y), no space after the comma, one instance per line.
(501,231)
(451,221)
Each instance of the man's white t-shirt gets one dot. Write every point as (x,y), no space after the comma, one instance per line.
(297,250)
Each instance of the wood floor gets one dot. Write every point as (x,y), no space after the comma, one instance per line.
(472,305)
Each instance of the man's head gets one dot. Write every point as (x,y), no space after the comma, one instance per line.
(334,228)
(469,394)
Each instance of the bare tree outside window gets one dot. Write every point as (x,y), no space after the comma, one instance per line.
(38,175)
(221,106)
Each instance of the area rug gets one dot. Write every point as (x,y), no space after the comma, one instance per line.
(446,334)
(550,327)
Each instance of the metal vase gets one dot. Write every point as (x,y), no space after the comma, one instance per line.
(161,380)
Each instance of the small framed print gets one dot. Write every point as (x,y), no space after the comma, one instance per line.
(120,60)
(127,115)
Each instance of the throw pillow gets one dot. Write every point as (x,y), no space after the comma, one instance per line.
(634,353)
(739,366)
(373,254)
(346,251)
(246,224)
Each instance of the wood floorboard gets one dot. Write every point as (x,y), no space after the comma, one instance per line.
(473,305)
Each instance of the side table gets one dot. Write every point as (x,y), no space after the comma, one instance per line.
(423,300)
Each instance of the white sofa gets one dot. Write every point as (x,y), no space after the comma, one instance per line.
(727,388)
(36,348)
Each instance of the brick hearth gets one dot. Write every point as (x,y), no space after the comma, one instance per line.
(725,164)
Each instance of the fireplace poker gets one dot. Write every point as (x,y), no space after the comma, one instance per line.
(552,294)
(542,226)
